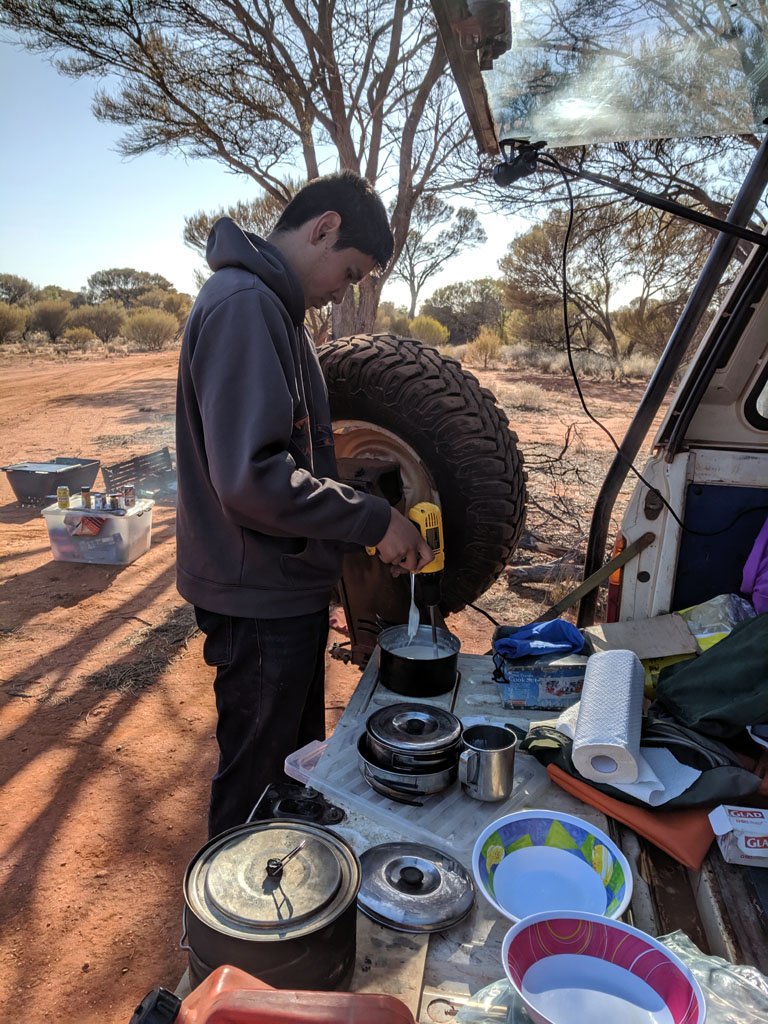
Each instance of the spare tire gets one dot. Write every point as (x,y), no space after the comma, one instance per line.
(396,398)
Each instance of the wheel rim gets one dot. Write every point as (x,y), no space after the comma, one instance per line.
(357,439)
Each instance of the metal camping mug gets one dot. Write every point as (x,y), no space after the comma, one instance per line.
(487,763)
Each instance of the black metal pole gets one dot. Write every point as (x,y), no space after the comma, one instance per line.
(701,296)
(671,206)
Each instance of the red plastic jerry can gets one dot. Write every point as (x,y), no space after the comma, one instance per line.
(230,996)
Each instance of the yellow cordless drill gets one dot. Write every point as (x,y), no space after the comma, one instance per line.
(428,519)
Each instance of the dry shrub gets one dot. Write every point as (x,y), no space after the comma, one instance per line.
(151,329)
(13,320)
(49,317)
(486,348)
(36,343)
(638,365)
(453,351)
(428,330)
(106,320)
(116,348)
(520,354)
(524,396)
(594,365)
(558,588)
(80,338)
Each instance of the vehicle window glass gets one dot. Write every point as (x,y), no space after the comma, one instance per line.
(601,71)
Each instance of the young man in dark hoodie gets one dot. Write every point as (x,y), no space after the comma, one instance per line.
(262,520)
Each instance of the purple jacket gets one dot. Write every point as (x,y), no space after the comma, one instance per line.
(755,579)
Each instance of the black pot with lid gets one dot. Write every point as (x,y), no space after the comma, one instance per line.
(415,737)
(277,899)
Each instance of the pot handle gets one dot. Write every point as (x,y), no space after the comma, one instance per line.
(183,940)
(468,768)
(385,790)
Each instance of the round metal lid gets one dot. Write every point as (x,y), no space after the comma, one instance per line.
(414,888)
(272,876)
(414,727)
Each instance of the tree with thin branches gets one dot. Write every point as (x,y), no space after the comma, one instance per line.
(267,87)
(655,256)
(427,250)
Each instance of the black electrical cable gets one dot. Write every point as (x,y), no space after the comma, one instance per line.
(484,612)
(553,161)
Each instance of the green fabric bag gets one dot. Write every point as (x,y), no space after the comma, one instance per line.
(723,778)
(725,689)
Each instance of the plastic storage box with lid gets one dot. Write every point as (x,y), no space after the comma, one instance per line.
(79,534)
(449,820)
(32,482)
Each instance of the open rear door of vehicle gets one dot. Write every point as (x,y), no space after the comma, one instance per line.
(570,74)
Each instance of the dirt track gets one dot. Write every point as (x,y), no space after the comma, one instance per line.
(105,791)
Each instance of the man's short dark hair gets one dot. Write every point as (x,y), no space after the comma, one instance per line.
(364,222)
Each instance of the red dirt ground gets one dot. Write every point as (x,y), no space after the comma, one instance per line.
(104,791)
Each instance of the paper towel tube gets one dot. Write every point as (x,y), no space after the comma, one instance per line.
(606,742)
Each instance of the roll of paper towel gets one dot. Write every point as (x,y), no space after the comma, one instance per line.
(606,743)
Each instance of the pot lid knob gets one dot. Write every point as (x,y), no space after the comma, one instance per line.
(411,875)
(415,726)
(275,864)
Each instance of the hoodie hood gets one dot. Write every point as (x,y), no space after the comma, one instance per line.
(230,246)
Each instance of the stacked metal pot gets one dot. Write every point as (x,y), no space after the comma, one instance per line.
(278,900)
(410,750)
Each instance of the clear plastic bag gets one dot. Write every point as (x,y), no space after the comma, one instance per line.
(734,994)
(497,1003)
(718,616)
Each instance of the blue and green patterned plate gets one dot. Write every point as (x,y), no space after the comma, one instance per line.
(536,861)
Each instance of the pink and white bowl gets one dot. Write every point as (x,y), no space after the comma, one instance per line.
(578,968)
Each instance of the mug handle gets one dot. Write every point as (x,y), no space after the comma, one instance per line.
(467,773)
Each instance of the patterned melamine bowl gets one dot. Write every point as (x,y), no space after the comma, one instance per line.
(584,967)
(532,862)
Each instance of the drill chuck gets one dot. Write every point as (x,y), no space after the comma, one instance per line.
(430,584)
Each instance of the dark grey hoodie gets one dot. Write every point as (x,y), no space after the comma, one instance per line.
(261,520)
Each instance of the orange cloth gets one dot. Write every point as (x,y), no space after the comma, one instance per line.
(685,835)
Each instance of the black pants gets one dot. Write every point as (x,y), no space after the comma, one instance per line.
(270,699)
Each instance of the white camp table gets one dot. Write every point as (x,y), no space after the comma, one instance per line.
(435,974)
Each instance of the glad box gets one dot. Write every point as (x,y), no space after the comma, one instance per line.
(742,834)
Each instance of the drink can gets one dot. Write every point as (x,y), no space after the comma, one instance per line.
(129,494)
(85,494)
(62,497)
(113,503)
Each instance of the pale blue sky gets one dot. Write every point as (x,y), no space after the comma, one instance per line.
(71,205)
